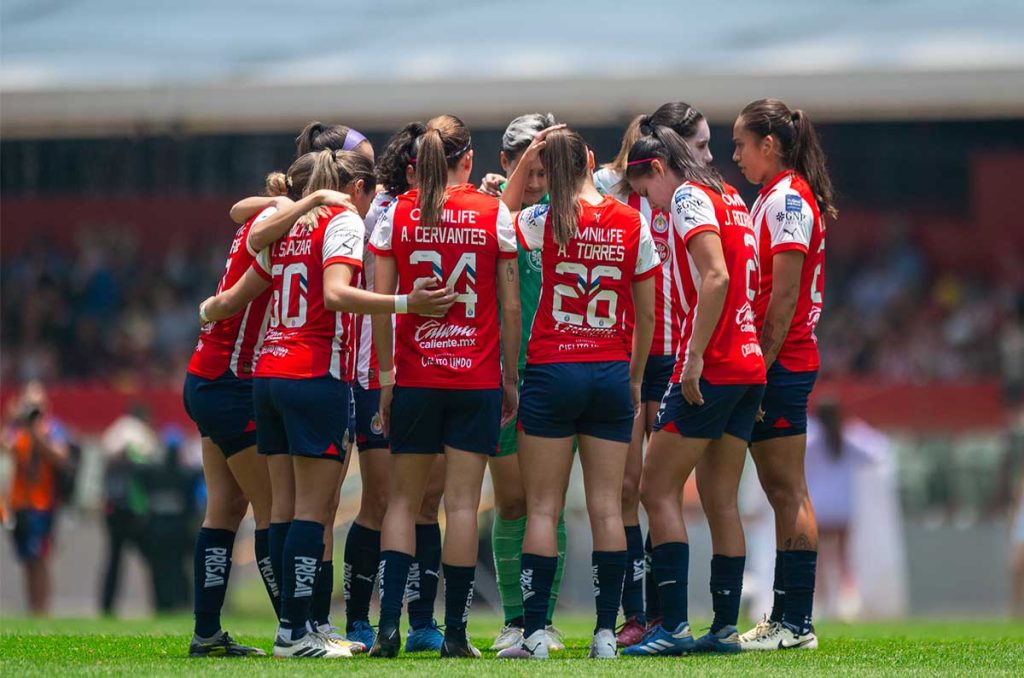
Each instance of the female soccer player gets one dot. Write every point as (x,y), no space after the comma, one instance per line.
(580,382)
(530,181)
(218,397)
(302,401)
(716,386)
(778,148)
(451,371)
(690,124)
(362,546)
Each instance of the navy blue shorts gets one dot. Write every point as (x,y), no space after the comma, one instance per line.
(657,374)
(559,400)
(425,420)
(368,426)
(785,403)
(222,409)
(304,417)
(33,533)
(729,408)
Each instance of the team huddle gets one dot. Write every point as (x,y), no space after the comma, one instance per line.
(636,315)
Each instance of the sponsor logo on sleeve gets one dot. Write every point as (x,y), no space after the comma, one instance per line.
(794,203)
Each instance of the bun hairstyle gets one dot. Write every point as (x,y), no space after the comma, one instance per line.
(316,136)
(662,142)
(564,158)
(520,132)
(334,170)
(443,143)
(394,160)
(292,184)
(798,142)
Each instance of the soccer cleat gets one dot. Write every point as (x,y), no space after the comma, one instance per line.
(764,636)
(427,639)
(221,645)
(458,648)
(725,641)
(630,633)
(331,631)
(661,641)
(794,640)
(603,645)
(533,647)
(313,645)
(361,632)
(510,636)
(556,639)
(387,643)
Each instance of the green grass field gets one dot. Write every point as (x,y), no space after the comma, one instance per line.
(30,647)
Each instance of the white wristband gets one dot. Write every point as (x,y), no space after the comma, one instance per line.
(386,378)
(401,303)
(202,315)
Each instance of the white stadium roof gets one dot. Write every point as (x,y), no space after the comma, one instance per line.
(70,67)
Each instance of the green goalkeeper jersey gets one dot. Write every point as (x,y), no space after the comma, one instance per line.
(529,291)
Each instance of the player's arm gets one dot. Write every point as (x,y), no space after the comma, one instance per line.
(232,300)
(787,266)
(268,231)
(511,336)
(516,184)
(340,295)
(385,280)
(50,448)
(246,208)
(643,334)
(705,249)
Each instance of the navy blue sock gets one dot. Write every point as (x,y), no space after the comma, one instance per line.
(421,590)
(652,602)
(726,587)
(211,571)
(276,536)
(671,564)
(536,578)
(800,569)
(608,570)
(633,584)
(302,552)
(362,556)
(261,547)
(778,590)
(458,597)
(323,590)
(392,574)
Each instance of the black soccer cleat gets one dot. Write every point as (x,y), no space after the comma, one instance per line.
(387,643)
(459,648)
(222,645)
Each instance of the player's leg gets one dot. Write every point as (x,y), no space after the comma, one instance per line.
(424,574)
(323,590)
(250,471)
(633,587)
(507,535)
(652,604)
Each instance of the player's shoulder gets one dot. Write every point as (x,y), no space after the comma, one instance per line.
(607,180)
(691,195)
(534,216)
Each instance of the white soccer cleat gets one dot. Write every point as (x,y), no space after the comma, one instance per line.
(765,636)
(332,634)
(533,647)
(313,645)
(556,639)
(510,636)
(603,646)
(791,640)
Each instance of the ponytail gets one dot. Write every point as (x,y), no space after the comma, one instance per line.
(394,160)
(432,177)
(443,143)
(799,145)
(276,184)
(334,170)
(565,161)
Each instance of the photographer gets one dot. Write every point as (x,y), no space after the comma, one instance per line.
(40,452)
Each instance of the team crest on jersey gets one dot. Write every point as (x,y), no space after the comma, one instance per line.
(663,251)
(533,260)
(376,425)
(660,224)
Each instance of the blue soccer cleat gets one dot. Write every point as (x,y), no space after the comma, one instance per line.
(661,641)
(362,632)
(427,639)
(725,641)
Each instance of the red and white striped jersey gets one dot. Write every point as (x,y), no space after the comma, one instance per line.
(304,339)
(733,356)
(787,218)
(367,367)
(586,297)
(233,344)
(461,349)
(666,314)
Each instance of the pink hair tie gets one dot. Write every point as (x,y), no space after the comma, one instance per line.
(639,162)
